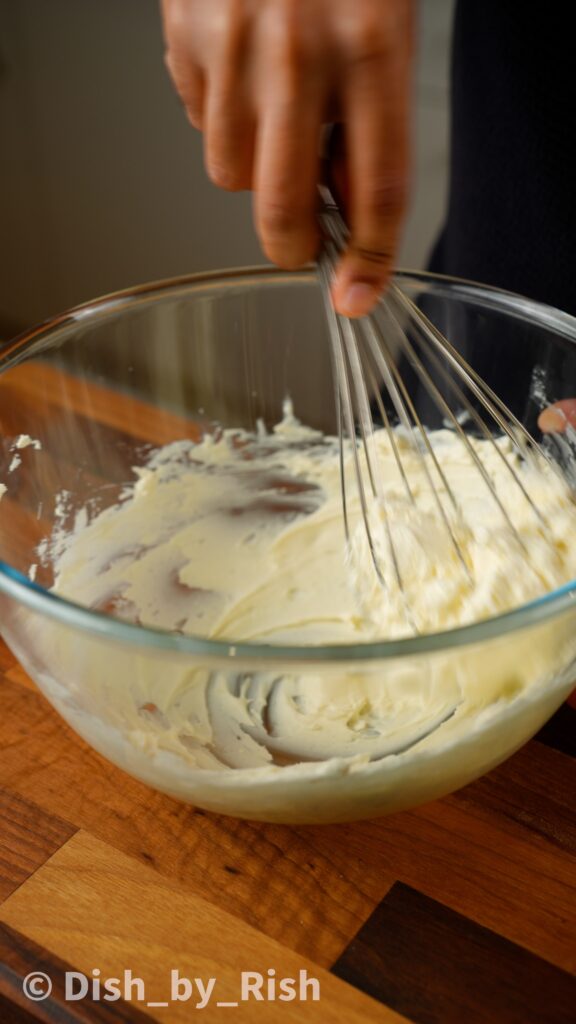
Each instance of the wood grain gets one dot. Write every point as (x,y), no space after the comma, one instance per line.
(32,394)
(560,732)
(311,887)
(438,967)
(91,905)
(28,836)
(12,1013)
(495,874)
(310,897)
(98,870)
(536,790)
(20,957)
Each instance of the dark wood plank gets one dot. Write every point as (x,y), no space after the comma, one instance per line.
(19,957)
(435,966)
(6,657)
(535,789)
(10,1013)
(28,836)
(560,731)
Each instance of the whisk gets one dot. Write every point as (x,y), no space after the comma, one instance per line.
(365,362)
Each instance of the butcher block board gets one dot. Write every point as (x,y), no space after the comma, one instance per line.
(460,912)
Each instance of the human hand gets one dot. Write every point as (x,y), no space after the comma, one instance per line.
(261,77)
(556,418)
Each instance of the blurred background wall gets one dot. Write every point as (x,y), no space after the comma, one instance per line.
(101,179)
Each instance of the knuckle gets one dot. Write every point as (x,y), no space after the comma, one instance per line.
(386,198)
(175,15)
(369,37)
(294,66)
(289,258)
(276,217)
(282,259)
(287,232)
(174,66)
(379,259)
(228,35)
(288,17)
(180,71)
(187,85)
(288,43)
(292,10)
(228,150)
(223,176)
(195,116)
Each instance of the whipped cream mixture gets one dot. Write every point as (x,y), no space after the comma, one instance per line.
(241,538)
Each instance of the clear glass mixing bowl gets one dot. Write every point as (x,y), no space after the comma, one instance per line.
(102,384)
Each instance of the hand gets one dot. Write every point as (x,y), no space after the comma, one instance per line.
(261,77)
(556,418)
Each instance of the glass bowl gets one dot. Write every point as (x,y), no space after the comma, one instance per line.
(101,386)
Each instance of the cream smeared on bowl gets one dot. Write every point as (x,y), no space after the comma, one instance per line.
(240,537)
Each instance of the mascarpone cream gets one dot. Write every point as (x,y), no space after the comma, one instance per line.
(240,538)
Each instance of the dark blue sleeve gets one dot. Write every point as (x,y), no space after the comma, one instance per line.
(511,219)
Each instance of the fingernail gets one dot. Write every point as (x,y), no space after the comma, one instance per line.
(358,299)
(552,421)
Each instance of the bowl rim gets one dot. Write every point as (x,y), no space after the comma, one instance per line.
(19,587)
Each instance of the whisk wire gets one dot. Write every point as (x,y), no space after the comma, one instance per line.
(338,349)
(365,364)
(503,416)
(324,269)
(440,364)
(377,397)
(443,406)
(382,354)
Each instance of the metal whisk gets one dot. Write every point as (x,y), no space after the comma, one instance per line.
(365,360)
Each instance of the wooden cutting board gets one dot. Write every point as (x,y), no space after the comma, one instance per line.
(460,912)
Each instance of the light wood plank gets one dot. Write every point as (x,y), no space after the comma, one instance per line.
(310,887)
(97,908)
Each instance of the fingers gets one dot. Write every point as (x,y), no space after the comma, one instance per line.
(335,170)
(376,109)
(558,417)
(190,85)
(260,78)
(285,181)
(207,49)
(229,121)
(290,114)
(228,139)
